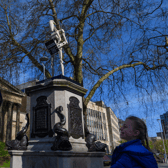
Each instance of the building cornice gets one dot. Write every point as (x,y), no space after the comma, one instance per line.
(14,90)
(57,84)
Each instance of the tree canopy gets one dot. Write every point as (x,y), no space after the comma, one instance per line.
(114,46)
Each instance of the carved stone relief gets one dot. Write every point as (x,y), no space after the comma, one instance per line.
(41,118)
(75,118)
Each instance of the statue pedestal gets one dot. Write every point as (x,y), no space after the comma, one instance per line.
(55,159)
(46,97)
(46,144)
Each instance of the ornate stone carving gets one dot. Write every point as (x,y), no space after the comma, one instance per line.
(21,141)
(62,139)
(42,118)
(92,144)
(75,118)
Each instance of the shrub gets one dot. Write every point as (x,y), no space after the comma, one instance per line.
(4,156)
(6,164)
(3,152)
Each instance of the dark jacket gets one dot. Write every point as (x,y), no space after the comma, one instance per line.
(133,154)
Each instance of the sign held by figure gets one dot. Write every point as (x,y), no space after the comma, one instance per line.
(55,45)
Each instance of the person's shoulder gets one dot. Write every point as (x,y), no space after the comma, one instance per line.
(137,154)
(122,161)
(136,147)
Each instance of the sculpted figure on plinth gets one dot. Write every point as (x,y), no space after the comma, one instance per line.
(62,139)
(21,141)
(92,144)
(60,40)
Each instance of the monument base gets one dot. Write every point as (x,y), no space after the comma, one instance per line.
(45,144)
(56,159)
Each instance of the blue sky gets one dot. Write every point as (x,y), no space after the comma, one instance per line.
(151,119)
(134,106)
(151,114)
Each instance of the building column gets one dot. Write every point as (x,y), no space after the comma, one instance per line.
(17,119)
(1,121)
(9,121)
(5,113)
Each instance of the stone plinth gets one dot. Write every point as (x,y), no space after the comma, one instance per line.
(45,97)
(57,159)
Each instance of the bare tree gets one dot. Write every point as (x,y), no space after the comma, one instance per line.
(112,44)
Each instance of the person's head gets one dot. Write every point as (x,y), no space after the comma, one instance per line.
(134,128)
(127,130)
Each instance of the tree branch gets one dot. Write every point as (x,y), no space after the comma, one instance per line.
(113,14)
(155,8)
(95,70)
(115,70)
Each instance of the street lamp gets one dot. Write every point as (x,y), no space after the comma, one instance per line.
(43,59)
(163,139)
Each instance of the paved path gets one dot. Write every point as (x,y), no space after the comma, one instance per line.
(160,165)
(163,165)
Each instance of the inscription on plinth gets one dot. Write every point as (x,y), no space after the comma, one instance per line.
(75,118)
(41,118)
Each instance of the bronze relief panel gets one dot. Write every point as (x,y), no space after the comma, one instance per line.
(41,118)
(75,118)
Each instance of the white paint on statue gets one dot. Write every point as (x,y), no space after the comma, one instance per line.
(60,40)
(61,61)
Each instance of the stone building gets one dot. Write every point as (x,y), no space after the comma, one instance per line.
(11,116)
(102,122)
(160,134)
(154,138)
(26,100)
(113,125)
(164,123)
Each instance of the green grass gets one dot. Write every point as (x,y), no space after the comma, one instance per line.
(6,164)
(4,156)
(3,152)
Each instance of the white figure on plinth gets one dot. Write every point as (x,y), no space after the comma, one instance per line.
(60,40)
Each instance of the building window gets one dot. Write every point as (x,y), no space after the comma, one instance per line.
(103,116)
(89,112)
(23,90)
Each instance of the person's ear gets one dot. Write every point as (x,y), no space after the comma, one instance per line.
(137,132)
